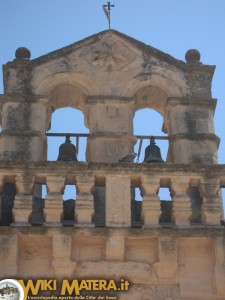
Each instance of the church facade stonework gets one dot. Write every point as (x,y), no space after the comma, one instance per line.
(110,76)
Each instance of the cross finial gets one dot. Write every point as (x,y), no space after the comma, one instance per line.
(107,9)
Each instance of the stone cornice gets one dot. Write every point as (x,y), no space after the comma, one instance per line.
(195,136)
(23,133)
(109,100)
(101,168)
(4,98)
(192,67)
(173,101)
(138,233)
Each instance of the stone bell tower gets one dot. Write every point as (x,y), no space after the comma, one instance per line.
(109,76)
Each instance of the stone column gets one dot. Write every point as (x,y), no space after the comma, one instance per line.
(151,208)
(118,201)
(211,212)
(53,209)
(181,205)
(85,201)
(23,200)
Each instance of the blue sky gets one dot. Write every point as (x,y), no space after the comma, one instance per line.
(173,26)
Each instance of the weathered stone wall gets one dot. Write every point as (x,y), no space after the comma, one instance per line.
(180,264)
(109,76)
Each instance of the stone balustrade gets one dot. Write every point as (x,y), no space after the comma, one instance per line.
(118,180)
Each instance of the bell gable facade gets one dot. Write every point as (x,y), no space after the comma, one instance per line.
(109,76)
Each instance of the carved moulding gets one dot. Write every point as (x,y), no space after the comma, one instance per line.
(109,55)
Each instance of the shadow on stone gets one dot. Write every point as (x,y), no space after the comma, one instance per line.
(7,202)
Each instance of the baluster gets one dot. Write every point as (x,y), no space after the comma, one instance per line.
(85,201)
(53,209)
(22,208)
(151,207)
(211,211)
(181,205)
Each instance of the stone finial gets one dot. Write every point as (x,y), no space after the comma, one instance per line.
(192,56)
(22,53)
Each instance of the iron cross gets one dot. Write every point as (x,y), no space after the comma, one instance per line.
(107,8)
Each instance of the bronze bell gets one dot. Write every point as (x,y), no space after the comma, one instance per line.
(67,151)
(153,153)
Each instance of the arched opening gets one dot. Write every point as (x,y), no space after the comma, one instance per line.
(148,122)
(67,103)
(67,120)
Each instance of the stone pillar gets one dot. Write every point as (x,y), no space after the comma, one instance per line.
(151,208)
(23,200)
(19,140)
(53,209)
(211,212)
(118,201)
(189,123)
(24,116)
(110,120)
(166,267)
(115,247)
(84,210)
(220,265)
(181,205)
(62,266)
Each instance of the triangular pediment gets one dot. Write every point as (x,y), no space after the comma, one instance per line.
(110,49)
(110,63)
